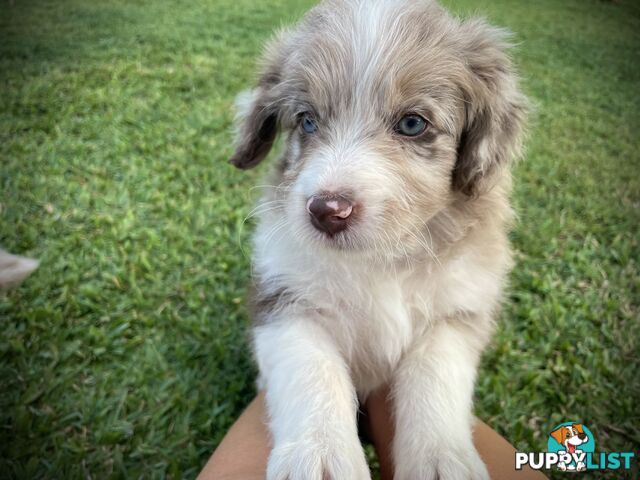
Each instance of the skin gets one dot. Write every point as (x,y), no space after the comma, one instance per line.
(243,453)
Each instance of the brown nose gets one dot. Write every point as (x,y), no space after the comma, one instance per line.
(329,212)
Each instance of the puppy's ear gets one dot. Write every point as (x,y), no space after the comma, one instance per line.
(495,109)
(257,110)
(578,426)
(257,126)
(558,435)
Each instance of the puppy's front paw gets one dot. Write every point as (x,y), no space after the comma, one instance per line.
(452,463)
(315,459)
(462,463)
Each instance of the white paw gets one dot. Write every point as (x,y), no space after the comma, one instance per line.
(453,463)
(314,458)
(463,464)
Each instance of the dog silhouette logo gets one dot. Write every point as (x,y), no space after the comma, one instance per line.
(572,442)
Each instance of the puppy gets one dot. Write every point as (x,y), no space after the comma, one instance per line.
(381,247)
(570,437)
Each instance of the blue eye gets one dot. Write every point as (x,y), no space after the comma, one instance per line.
(411,125)
(308,123)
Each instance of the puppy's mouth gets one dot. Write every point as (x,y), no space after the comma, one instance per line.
(343,239)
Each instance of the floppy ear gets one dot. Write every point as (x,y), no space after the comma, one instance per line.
(578,427)
(257,110)
(557,434)
(257,126)
(495,109)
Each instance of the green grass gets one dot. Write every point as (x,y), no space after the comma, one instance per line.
(125,355)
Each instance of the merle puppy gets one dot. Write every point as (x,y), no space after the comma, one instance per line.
(381,248)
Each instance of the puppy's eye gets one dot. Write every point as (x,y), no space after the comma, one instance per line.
(411,125)
(308,123)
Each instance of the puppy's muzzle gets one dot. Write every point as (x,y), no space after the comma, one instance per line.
(329,212)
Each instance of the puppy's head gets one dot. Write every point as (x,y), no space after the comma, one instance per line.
(392,110)
(570,435)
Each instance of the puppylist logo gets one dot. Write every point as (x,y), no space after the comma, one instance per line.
(571,448)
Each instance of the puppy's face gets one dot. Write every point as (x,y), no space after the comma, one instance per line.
(392,110)
(570,436)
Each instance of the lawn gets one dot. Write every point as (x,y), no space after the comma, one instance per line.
(125,355)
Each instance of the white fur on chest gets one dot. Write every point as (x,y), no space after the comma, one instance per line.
(372,312)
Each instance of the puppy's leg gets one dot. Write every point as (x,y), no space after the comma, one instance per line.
(561,464)
(432,392)
(311,402)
